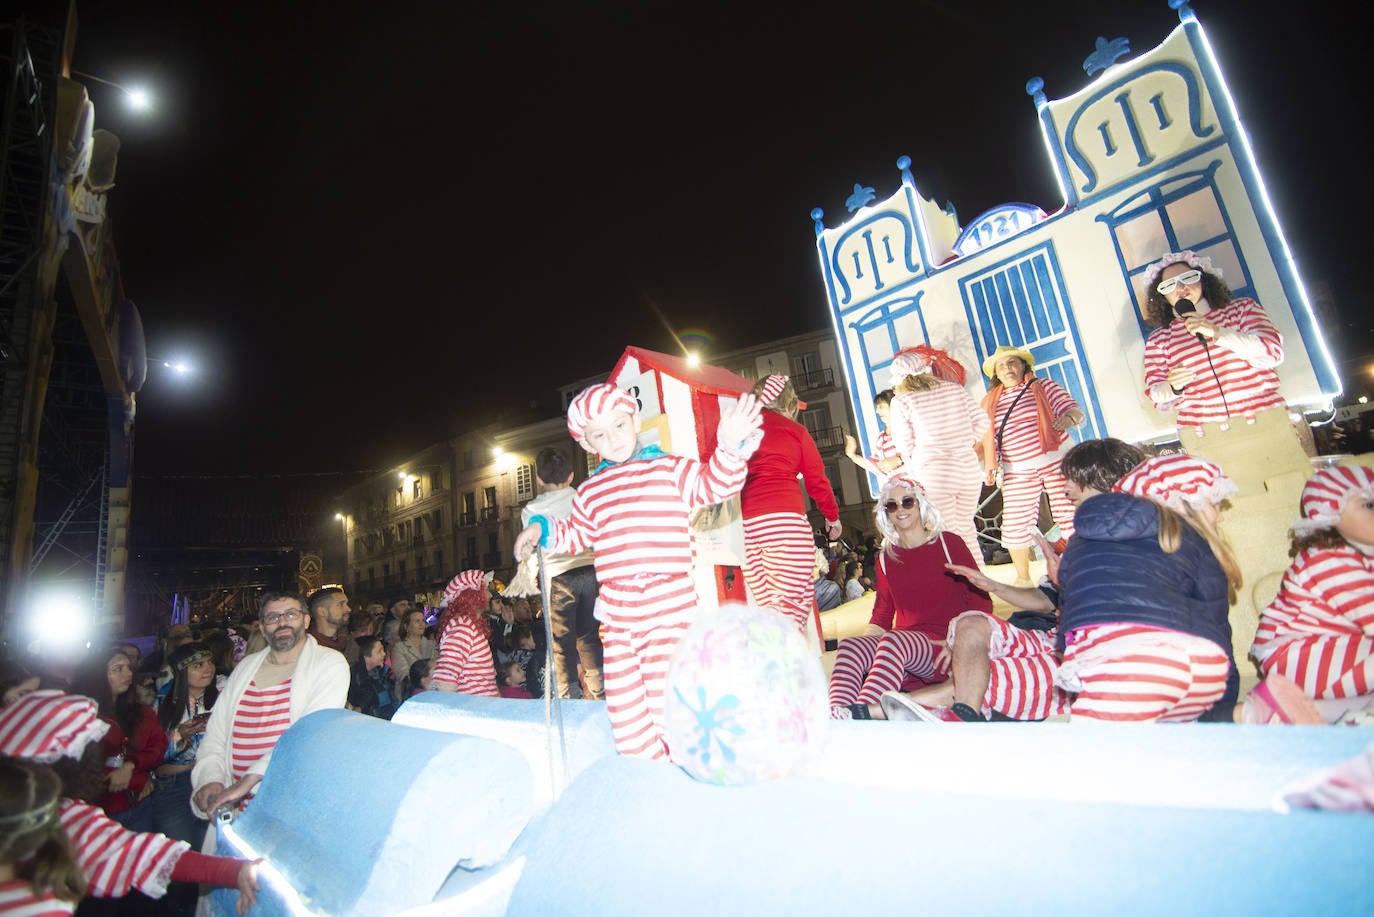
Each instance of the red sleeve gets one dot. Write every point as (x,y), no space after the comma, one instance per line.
(148,745)
(813,476)
(970,597)
(212,870)
(883,607)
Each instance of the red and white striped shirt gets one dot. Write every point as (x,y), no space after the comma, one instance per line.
(114,859)
(465,659)
(941,423)
(884,447)
(635,515)
(18,900)
(1248,380)
(1325,592)
(263,715)
(1021,436)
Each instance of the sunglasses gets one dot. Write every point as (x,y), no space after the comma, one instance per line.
(890,506)
(1187,278)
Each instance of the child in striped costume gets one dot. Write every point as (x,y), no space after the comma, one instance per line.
(38,874)
(779,548)
(935,425)
(465,665)
(1319,631)
(885,458)
(1145,590)
(63,731)
(634,512)
(1029,419)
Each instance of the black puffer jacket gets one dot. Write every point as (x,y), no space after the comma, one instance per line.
(1114,572)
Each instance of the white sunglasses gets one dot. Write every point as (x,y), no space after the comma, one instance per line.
(1187,278)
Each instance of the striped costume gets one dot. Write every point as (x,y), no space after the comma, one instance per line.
(1027,466)
(465,659)
(635,517)
(18,900)
(114,859)
(1131,673)
(263,715)
(1244,354)
(917,598)
(779,546)
(1319,630)
(935,431)
(1022,665)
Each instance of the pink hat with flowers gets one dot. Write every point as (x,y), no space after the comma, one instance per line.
(1188,257)
(1326,494)
(45,726)
(593,403)
(1177,480)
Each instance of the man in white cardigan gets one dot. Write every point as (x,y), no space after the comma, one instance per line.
(267,692)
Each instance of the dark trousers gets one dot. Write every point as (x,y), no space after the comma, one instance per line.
(576,632)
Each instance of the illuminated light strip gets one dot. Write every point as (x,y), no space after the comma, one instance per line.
(1244,137)
(270,873)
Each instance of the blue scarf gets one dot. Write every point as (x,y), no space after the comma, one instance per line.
(650,451)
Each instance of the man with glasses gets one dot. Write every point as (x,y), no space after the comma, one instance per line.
(267,692)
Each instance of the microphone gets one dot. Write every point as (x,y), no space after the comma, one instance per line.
(1185,307)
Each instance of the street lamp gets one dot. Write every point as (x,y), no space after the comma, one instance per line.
(138,98)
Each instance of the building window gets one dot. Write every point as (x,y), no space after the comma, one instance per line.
(490,509)
(415,491)
(439,563)
(469,508)
(467,458)
(400,493)
(524,483)
(401,570)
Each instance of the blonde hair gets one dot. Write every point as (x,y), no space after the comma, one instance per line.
(923,382)
(1171,524)
(786,402)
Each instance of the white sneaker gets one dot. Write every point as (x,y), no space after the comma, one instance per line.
(898,707)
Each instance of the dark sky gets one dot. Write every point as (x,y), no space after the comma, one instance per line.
(373,228)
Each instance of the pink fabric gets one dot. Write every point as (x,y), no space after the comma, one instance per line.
(1127,673)
(114,859)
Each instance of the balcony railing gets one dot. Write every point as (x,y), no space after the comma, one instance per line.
(491,513)
(467,519)
(829,439)
(817,378)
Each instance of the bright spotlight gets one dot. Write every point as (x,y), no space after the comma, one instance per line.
(60,620)
(693,359)
(400,475)
(139,99)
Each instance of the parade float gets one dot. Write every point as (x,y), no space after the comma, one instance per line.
(476,806)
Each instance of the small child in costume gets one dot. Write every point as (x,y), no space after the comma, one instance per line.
(465,665)
(1319,630)
(62,731)
(634,512)
(38,872)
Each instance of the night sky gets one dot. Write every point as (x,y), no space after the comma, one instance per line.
(374,228)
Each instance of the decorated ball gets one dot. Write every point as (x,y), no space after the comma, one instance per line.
(745,699)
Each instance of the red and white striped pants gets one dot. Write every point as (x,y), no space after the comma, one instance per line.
(954,487)
(779,557)
(1021,669)
(1326,666)
(1021,504)
(642,621)
(1129,673)
(867,666)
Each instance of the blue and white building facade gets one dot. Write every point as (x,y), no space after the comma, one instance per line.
(1151,156)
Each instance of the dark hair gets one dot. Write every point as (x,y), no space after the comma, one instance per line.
(1321,538)
(92,679)
(552,466)
(365,645)
(169,712)
(318,597)
(504,672)
(13,673)
(83,779)
(33,839)
(1100,463)
(403,632)
(268,597)
(884,397)
(221,650)
(410,685)
(1159,313)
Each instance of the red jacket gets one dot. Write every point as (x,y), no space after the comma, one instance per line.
(771,487)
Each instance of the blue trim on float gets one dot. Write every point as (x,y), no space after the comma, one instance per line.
(1280,254)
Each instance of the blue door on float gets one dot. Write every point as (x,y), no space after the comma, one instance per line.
(1021,301)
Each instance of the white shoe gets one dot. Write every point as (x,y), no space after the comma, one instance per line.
(898,707)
